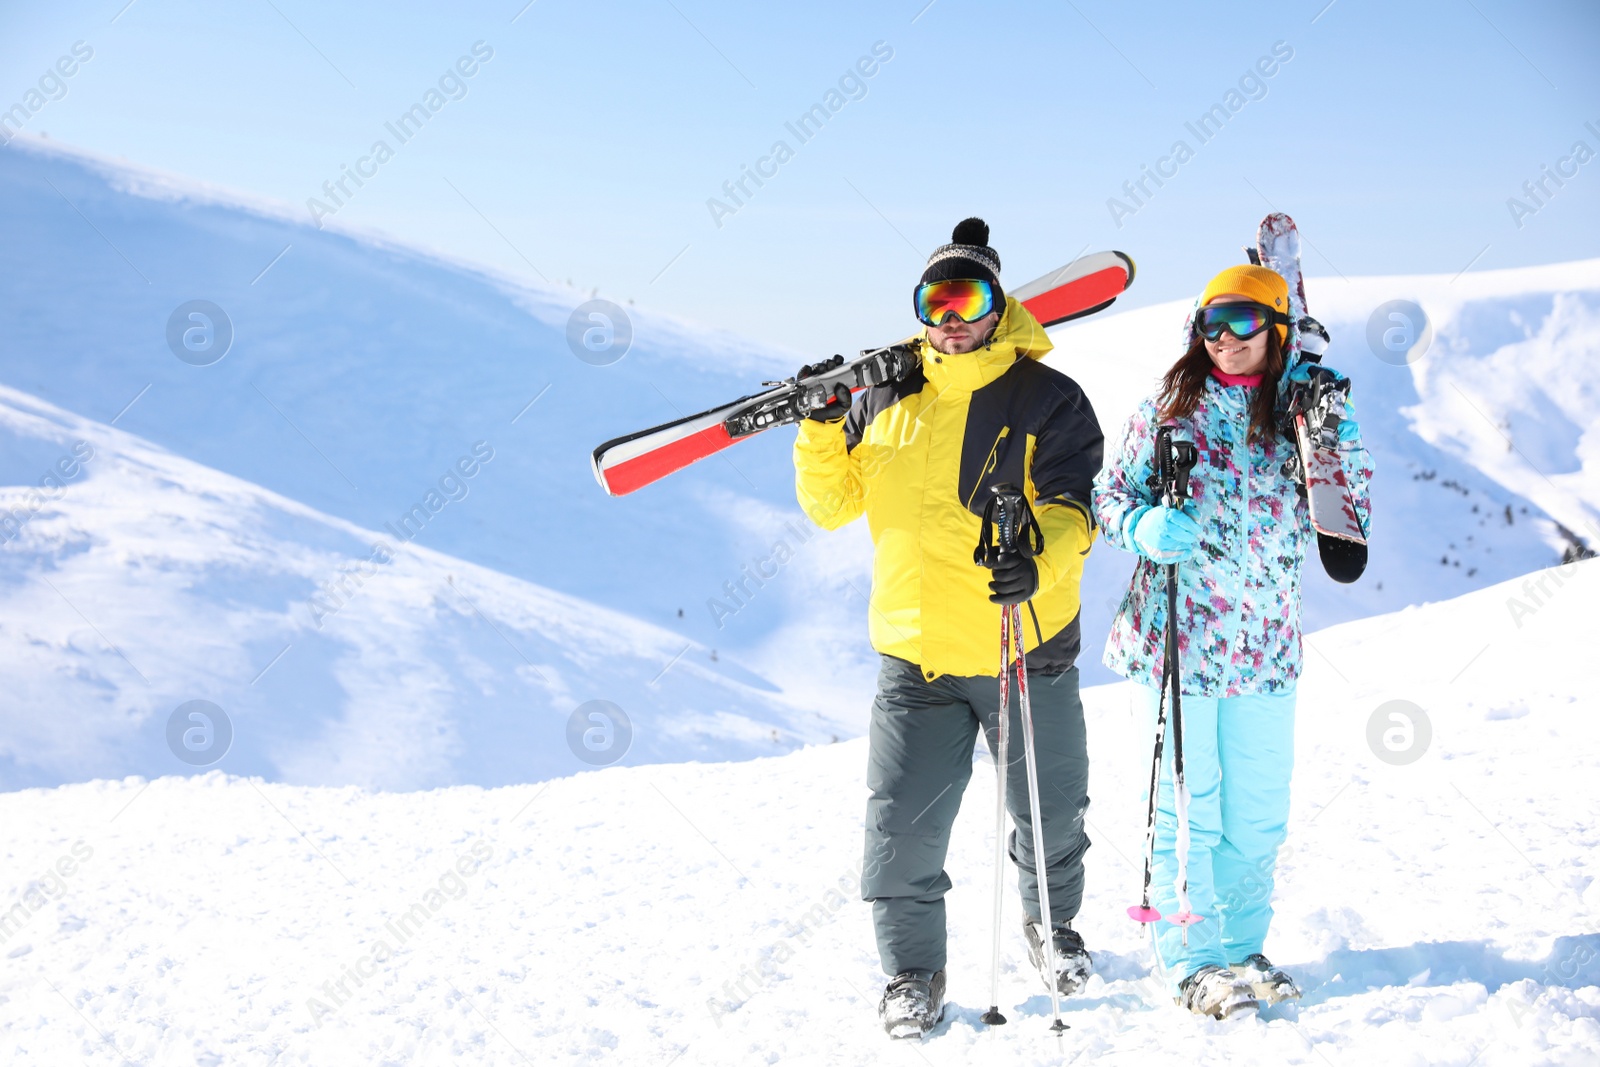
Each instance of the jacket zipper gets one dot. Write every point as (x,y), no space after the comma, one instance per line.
(1244,530)
(988,465)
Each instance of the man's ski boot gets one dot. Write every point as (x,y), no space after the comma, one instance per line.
(1217,992)
(1073,962)
(1271,985)
(912,1004)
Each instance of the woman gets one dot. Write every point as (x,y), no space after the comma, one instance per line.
(1240,541)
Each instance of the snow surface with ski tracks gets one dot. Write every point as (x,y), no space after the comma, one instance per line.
(1441,911)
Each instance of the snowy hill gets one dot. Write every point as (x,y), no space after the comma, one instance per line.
(359,371)
(340,655)
(1437,895)
(362,372)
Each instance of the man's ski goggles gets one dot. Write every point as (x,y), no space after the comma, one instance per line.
(967,299)
(1244,321)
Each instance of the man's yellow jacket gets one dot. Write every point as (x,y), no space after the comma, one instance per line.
(918,458)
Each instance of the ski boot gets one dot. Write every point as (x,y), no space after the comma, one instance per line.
(1271,985)
(1073,962)
(912,1004)
(1217,992)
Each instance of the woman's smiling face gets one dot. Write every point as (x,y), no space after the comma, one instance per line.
(1231,355)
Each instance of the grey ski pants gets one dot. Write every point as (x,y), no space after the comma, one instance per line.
(918,763)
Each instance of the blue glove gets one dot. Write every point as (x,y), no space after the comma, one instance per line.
(1165,535)
(1349,429)
(1301,371)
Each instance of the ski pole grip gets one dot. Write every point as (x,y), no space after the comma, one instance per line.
(1164,463)
(1009,528)
(1010,507)
(1184,456)
(1174,461)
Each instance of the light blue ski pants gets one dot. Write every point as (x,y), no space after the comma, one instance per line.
(1238,754)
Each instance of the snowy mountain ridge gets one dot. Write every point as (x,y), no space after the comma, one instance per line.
(551,302)
(362,372)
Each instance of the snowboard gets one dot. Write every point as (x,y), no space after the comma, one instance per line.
(1314,409)
(624,464)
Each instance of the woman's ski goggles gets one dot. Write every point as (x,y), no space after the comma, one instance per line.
(967,299)
(1244,321)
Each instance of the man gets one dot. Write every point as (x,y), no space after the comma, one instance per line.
(918,458)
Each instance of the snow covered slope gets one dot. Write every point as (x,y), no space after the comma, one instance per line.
(339,654)
(1441,911)
(360,370)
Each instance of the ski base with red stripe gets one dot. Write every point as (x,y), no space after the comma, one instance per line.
(630,463)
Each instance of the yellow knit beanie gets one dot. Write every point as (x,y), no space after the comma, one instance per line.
(1258,283)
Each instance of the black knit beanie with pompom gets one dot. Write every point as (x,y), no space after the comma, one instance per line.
(968,255)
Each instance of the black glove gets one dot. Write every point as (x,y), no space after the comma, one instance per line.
(822,366)
(1016,579)
(837,408)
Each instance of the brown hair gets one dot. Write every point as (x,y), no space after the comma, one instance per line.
(1185,382)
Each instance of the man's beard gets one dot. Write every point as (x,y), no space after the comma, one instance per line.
(977,344)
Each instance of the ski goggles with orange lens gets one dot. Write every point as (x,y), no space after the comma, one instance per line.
(967,299)
(1244,321)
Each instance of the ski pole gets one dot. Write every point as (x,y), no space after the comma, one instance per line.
(1142,911)
(1018,533)
(1183,917)
(992,1017)
(1047,923)
(1174,461)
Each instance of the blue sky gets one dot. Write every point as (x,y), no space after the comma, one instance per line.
(588,145)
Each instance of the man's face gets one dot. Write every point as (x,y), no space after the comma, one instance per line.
(954,337)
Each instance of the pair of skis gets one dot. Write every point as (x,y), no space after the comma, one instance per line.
(1314,409)
(625,464)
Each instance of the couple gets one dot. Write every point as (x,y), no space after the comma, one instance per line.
(980,411)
